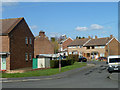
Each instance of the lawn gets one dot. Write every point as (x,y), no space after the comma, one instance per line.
(45,72)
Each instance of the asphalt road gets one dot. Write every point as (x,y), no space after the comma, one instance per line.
(95,77)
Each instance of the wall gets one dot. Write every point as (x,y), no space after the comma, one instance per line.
(43,46)
(18,48)
(114,48)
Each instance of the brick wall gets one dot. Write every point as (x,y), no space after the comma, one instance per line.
(4,45)
(43,46)
(66,43)
(114,48)
(18,48)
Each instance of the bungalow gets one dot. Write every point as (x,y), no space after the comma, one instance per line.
(42,45)
(17,44)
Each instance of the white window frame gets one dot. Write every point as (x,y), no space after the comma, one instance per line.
(26,56)
(30,56)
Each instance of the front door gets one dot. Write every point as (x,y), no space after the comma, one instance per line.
(3,63)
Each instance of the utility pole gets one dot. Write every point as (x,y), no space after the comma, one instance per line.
(60,63)
(108,50)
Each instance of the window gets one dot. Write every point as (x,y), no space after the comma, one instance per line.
(102,46)
(96,47)
(26,40)
(26,56)
(30,56)
(88,47)
(92,47)
(70,52)
(102,54)
(88,54)
(75,52)
(30,40)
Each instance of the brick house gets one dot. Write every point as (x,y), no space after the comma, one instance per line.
(94,48)
(63,49)
(42,45)
(76,46)
(17,44)
(102,47)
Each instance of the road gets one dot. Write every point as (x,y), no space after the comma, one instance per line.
(95,77)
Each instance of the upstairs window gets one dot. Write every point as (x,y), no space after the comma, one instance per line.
(93,47)
(30,40)
(26,40)
(88,47)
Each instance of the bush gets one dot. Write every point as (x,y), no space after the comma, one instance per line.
(73,57)
(55,63)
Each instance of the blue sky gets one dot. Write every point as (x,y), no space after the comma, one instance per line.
(70,18)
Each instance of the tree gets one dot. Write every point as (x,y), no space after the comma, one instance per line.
(55,44)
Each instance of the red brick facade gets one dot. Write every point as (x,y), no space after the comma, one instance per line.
(14,43)
(42,45)
(66,43)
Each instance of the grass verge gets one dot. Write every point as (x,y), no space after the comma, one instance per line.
(45,72)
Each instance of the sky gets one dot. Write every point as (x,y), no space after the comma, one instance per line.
(70,18)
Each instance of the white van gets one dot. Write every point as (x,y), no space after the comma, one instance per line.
(113,63)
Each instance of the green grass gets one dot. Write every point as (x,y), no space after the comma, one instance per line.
(45,72)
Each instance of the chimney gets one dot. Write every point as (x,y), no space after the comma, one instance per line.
(95,37)
(42,33)
(111,36)
(89,37)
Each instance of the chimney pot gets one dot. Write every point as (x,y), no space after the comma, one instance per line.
(89,37)
(111,36)
(42,33)
(95,37)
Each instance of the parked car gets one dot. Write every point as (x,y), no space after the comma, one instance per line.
(82,59)
(102,58)
(113,63)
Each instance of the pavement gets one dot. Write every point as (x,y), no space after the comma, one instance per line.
(57,76)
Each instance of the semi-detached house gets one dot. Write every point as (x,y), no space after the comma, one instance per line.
(94,48)
(16,44)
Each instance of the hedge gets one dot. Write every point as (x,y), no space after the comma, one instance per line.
(55,63)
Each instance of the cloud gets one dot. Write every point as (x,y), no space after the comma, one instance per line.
(34,27)
(96,27)
(81,28)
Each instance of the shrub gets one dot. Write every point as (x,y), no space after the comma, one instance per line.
(55,63)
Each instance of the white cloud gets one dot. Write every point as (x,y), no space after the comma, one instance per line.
(81,28)
(96,27)
(34,27)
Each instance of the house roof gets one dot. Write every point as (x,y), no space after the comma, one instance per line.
(8,25)
(65,40)
(80,42)
(98,41)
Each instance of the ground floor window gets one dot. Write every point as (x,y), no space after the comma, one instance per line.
(70,52)
(75,52)
(26,56)
(88,54)
(102,54)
